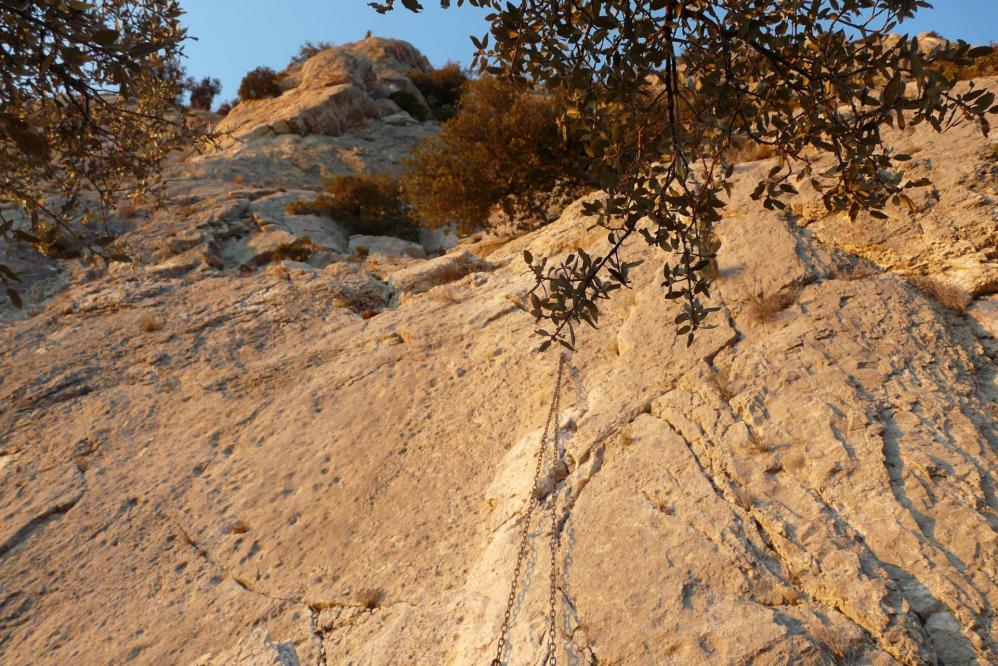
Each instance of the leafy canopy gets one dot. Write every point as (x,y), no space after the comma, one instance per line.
(259,83)
(203,92)
(659,91)
(502,148)
(90,106)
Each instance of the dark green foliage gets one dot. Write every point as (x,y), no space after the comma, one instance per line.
(411,105)
(779,74)
(203,92)
(502,146)
(298,250)
(307,50)
(441,88)
(974,68)
(368,204)
(260,83)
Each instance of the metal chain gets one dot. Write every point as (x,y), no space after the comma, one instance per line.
(532,502)
(551,659)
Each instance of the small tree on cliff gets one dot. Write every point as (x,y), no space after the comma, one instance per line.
(89,108)
(203,92)
(659,91)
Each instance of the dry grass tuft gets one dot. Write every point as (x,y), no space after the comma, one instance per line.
(838,643)
(299,250)
(757,444)
(150,323)
(948,295)
(742,497)
(370,598)
(765,309)
(720,380)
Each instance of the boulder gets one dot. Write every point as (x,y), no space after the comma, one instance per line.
(321,231)
(438,240)
(355,288)
(425,275)
(386,245)
(275,205)
(256,248)
(335,91)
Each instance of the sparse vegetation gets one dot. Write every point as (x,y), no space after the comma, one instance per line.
(965,69)
(298,250)
(764,309)
(307,50)
(837,641)
(260,83)
(503,148)
(150,323)
(949,295)
(758,446)
(441,88)
(720,381)
(368,204)
(371,598)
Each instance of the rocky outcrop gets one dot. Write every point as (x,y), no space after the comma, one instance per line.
(335,91)
(209,458)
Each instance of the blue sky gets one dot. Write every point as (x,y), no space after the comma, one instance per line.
(234,36)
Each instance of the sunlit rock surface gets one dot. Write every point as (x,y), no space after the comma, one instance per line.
(223,455)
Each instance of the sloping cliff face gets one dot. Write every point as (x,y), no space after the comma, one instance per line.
(210,457)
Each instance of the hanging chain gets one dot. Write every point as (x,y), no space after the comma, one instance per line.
(532,502)
(552,509)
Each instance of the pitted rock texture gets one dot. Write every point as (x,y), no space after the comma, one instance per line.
(327,461)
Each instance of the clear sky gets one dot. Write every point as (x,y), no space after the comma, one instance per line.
(234,36)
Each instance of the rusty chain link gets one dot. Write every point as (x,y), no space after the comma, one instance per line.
(532,502)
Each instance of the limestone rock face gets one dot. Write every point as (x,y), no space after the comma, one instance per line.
(211,457)
(386,245)
(335,91)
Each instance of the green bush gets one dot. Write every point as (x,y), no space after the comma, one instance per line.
(203,92)
(411,105)
(308,50)
(502,148)
(368,204)
(259,83)
(441,88)
(975,68)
